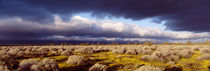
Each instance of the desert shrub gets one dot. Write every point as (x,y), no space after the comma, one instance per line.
(164,56)
(196,49)
(25,65)
(171,63)
(6,56)
(98,67)
(139,50)
(13,51)
(38,65)
(72,48)
(131,67)
(148,68)
(34,49)
(54,52)
(185,53)
(27,52)
(153,47)
(131,51)
(181,51)
(4,68)
(43,49)
(193,66)
(8,60)
(12,65)
(53,49)
(45,65)
(204,57)
(147,51)
(61,50)
(205,50)
(85,50)
(67,53)
(145,57)
(20,53)
(149,47)
(75,60)
(100,49)
(28,49)
(118,51)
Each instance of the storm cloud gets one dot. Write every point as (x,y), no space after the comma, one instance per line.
(181,15)
(49,19)
(83,28)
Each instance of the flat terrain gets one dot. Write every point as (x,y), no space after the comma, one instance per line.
(105,58)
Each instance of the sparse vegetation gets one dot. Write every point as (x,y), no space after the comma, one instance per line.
(75,60)
(204,57)
(98,67)
(148,68)
(45,65)
(105,58)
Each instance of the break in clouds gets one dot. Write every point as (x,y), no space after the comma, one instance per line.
(79,28)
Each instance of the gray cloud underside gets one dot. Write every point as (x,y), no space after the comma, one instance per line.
(181,15)
(79,28)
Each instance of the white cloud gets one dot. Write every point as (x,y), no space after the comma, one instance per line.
(103,29)
(119,29)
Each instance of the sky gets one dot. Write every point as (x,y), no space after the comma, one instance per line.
(105,20)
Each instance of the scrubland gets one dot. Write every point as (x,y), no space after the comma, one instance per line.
(105,58)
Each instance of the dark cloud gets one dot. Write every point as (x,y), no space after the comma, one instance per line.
(19,29)
(14,8)
(46,20)
(181,15)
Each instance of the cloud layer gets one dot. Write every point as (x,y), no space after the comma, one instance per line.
(79,28)
(181,15)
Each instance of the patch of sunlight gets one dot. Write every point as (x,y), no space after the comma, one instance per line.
(64,65)
(58,58)
(124,59)
(192,64)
